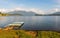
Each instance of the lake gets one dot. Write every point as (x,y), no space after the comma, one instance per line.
(33,22)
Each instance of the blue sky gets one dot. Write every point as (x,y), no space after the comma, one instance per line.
(39,4)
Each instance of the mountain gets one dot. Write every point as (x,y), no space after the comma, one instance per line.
(30,12)
(23,13)
(54,14)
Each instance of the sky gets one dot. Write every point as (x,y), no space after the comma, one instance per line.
(34,5)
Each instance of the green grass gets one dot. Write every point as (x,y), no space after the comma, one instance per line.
(13,34)
(48,34)
(22,34)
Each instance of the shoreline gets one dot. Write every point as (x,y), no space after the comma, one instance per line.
(28,34)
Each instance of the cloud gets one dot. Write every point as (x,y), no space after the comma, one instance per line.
(57,3)
(31,9)
(38,11)
(53,10)
(3,10)
(23,9)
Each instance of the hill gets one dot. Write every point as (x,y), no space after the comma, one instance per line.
(23,13)
(53,14)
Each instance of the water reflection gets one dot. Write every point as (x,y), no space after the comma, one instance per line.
(5,21)
(33,22)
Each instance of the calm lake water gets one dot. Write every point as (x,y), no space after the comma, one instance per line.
(33,22)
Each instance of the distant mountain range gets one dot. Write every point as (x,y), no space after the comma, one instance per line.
(56,13)
(23,13)
(30,13)
(53,14)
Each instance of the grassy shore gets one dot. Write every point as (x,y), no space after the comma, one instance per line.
(28,34)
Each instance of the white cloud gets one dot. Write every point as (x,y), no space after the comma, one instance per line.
(3,10)
(57,3)
(23,9)
(38,11)
(53,10)
(31,9)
